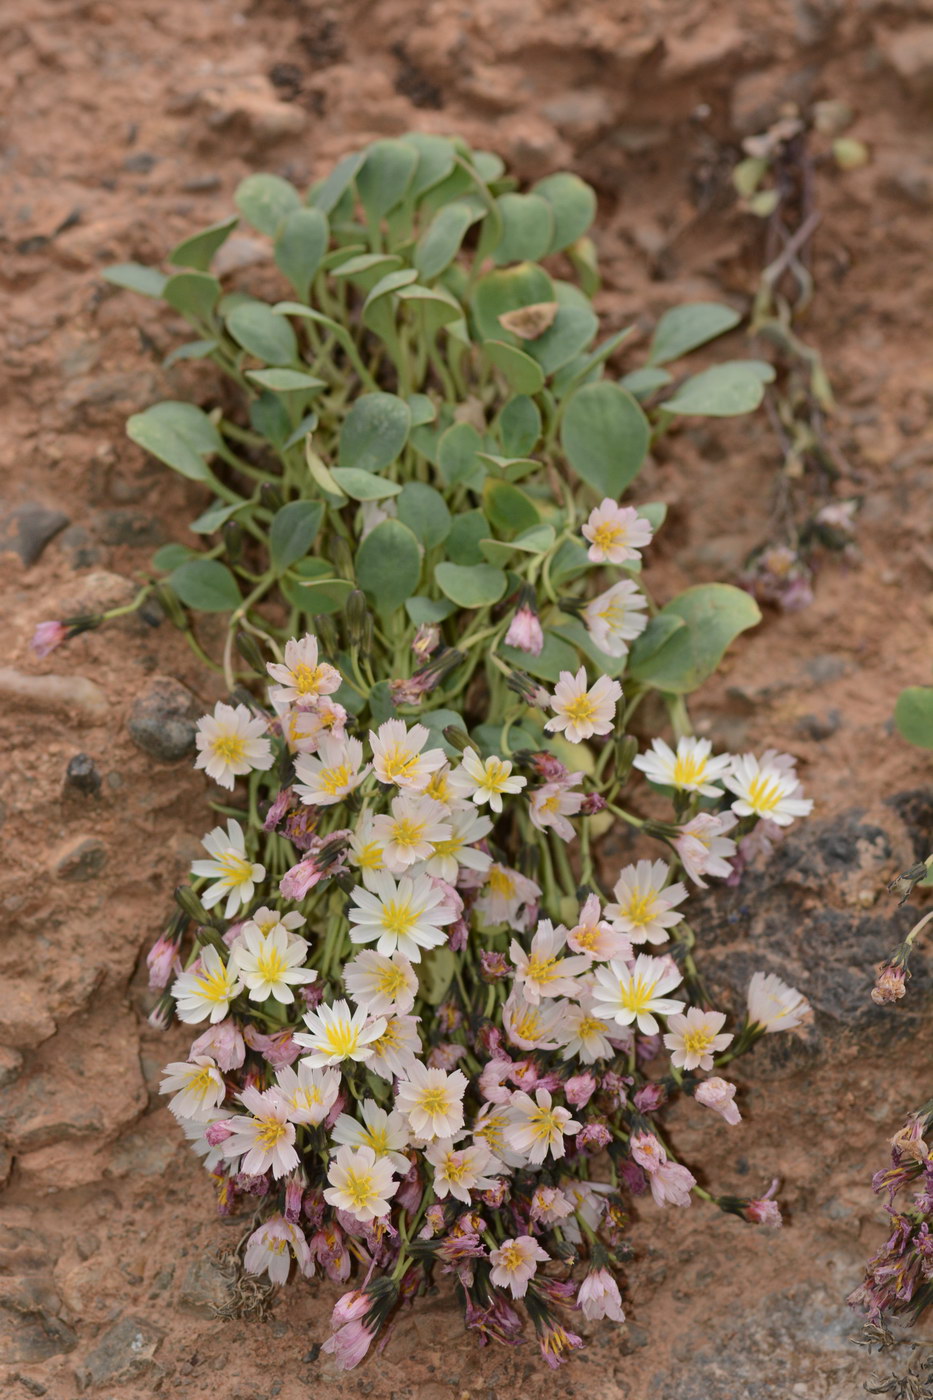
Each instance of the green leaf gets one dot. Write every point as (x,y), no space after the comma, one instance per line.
(436,721)
(374,432)
(466,531)
(574,631)
(193,350)
(215,516)
(292,532)
(269,417)
(198,250)
(571,331)
(136,277)
(193,294)
(508,508)
(520,426)
(508,289)
(328,194)
(306,426)
(424,511)
(527,228)
(537,540)
(659,631)
(605,436)
(436,973)
(573,205)
(521,372)
(684,328)
(300,245)
(428,610)
(365,269)
(364,486)
(381,704)
(714,614)
(434,306)
(738,386)
(569,561)
(388,566)
(205,585)
(263,333)
(179,434)
(322,474)
(170,556)
(556,656)
(285,381)
(441,241)
(471,585)
(312,587)
(265,201)
(384,177)
(378,312)
(655,512)
(421,408)
(436,157)
(646,381)
(456,456)
(913,715)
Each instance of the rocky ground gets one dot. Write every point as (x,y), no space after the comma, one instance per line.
(126,127)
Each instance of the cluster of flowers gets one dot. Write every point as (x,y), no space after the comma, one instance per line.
(423,1050)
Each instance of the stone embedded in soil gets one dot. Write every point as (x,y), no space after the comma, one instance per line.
(82,775)
(910,54)
(81,858)
(123,1353)
(82,699)
(207,1287)
(162,722)
(28,529)
(30,1328)
(11,1065)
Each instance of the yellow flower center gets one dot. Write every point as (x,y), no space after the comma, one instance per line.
(400,763)
(764,794)
(637,994)
(448,848)
(642,908)
(454,1167)
(688,769)
(590,1026)
(586,937)
(398,917)
(358,1185)
(369,857)
(230,747)
(556,1341)
(215,986)
(501,882)
(698,1040)
(408,833)
(438,788)
(544,1124)
(581,710)
(306,1097)
(527,1025)
(542,969)
(237,870)
(510,1256)
(495,775)
(307,679)
(271,1132)
(606,535)
(390,1039)
(491,1131)
(203,1082)
(392,981)
(434,1101)
(341,1038)
(333,781)
(377,1139)
(271,964)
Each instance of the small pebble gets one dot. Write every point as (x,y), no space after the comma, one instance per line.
(82,775)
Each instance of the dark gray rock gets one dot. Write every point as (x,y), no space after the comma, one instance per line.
(77,543)
(162,722)
(81,859)
(208,1287)
(30,1329)
(125,526)
(82,775)
(123,1353)
(11,1065)
(27,529)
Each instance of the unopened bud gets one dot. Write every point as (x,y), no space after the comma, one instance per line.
(457,738)
(626,753)
(171,606)
(326,631)
(904,883)
(338,552)
(356,617)
(529,691)
(232,533)
(187,900)
(250,651)
(208,936)
(270,497)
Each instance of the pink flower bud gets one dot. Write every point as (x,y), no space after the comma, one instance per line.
(593,802)
(650,1097)
(48,636)
(216,1133)
(163,963)
(525,632)
(593,1137)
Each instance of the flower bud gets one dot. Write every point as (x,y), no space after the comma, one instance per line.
(270,497)
(626,753)
(457,738)
(890,984)
(232,534)
(187,900)
(250,651)
(356,617)
(172,607)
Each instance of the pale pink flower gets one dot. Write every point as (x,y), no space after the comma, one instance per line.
(269,1250)
(197,1085)
(515,1262)
(579,711)
(774,1005)
(399,755)
(595,938)
(765,1211)
(541,971)
(693,768)
(224,1042)
(579,1089)
(163,963)
(232,742)
(460,1170)
(351,1338)
(704,848)
(551,805)
(303,679)
(616,617)
(361,1183)
(694,1038)
(538,1127)
(766,789)
(599,1296)
(646,906)
(549,1205)
(616,533)
(266,1138)
(532,1027)
(719,1095)
(637,994)
(48,636)
(525,631)
(432,1101)
(671,1184)
(504,892)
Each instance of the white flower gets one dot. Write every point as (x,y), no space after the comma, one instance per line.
(397,1049)
(596,939)
(266,1138)
(266,919)
(616,533)
(460,1170)
(764,790)
(398,756)
(381,984)
(231,742)
(625,994)
(432,1100)
(774,1005)
(485,780)
(552,804)
(691,769)
(332,773)
(337,1035)
(598,1296)
(583,1034)
(362,1184)
(645,908)
(365,849)
(309,1093)
(270,963)
(537,1127)
(703,846)
(235,875)
(303,678)
(541,972)
(504,893)
(407,834)
(386,1133)
(267,1250)
(459,849)
(695,1038)
(207,988)
(195,1131)
(532,1027)
(580,712)
(197,1085)
(515,1262)
(407,916)
(616,617)
(303,729)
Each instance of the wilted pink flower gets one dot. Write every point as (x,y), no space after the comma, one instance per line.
(224,1043)
(433,1222)
(277,1050)
(301,878)
(650,1097)
(599,1296)
(633,1177)
(593,1137)
(426,640)
(549,768)
(890,984)
(556,1343)
(648,1151)
(48,636)
(548,1205)
(329,1248)
(277,810)
(718,1094)
(493,965)
(525,632)
(579,1089)
(351,1339)
(294,1195)
(765,1211)
(446,1055)
(492,1081)
(218,1132)
(671,1184)
(163,963)
(593,802)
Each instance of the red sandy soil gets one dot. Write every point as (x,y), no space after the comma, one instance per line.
(126,127)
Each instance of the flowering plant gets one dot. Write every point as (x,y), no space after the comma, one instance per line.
(432,1036)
